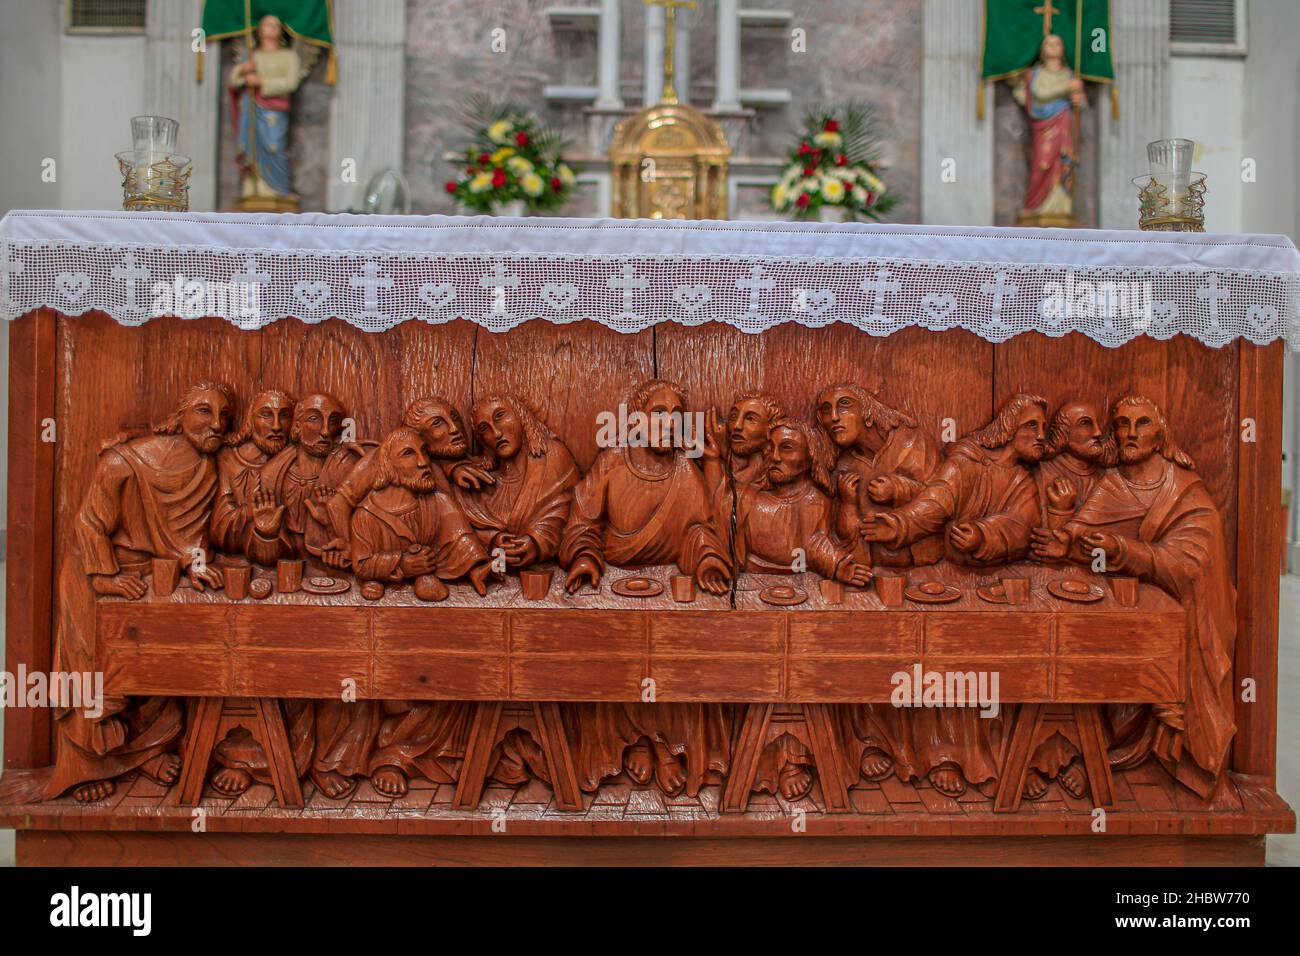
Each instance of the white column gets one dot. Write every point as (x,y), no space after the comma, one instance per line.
(727,97)
(654,55)
(1140,31)
(367,110)
(682,54)
(608,97)
(956,147)
(171,90)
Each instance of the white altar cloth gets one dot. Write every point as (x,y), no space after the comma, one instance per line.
(377,271)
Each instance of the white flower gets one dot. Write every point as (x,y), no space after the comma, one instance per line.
(519,166)
(832,189)
(809,185)
(532,184)
(860,195)
(480,183)
(828,140)
(499,132)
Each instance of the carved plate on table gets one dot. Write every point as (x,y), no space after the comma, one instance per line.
(640,587)
(782,595)
(1072,589)
(260,588)
(932,592)
(325,585)
(993,593)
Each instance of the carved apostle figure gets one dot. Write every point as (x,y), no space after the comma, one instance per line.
(289,516)
(439,425)
(646,504)
(983,498)
(265,433)
(406,528)
(1079,449)
(884,460)
(524,510)
(748,428)
(150,497)
(1153,518)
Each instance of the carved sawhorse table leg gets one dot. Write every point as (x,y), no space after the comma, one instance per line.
(1035,723)
(211,718)
(492,721)
(811,725)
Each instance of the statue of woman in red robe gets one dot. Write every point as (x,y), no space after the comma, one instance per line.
(1047,91)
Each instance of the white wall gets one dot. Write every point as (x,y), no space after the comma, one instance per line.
(1207,105)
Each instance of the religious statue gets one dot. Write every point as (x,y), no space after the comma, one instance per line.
(261,90)
(151,497)
(1152,518)
(1050,94)
(749,425)
(524,509)
(267,423)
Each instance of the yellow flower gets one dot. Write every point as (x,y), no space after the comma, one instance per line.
(480,183)
(566,174)
(832,189)
(501,155)
(780,194)
(499,132)
(519,166)
(873,183)
(828,140)
(532,184)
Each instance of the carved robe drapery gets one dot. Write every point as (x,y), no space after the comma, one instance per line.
(238,469)
(303,533)
(534,502)
(771,524)
(1171,534)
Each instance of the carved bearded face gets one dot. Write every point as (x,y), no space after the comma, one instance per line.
(843,417)
(206,420)
(410,464)
(1137,431)
(498,429)
(1084,440)
(789,456)
(1030,438)
(747,426)
(317,422)
(270,421)
(666,408)
(443,433)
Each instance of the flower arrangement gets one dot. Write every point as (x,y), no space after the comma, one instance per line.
(834,164)
(511,157)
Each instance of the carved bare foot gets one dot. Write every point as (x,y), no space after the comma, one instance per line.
(389,781)
(163,769)
(95,790)
(876,764)
(670,774)
(1035,785)
(231,781)
(947,779)
(795,781)
(333,784)
(1074,780)
(639,763)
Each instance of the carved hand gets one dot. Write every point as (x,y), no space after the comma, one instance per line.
(851,573)
(471,476)
(316,504)
(1048,545)
(880,490)
(478,577)
(715,435)
(847,486)
(209,575)
(521,550)
(422,562)
(966,537)
(712,576)
(873,527)
(584,569)
(267,513)
(127,584)
(1061,495)
(1108,543)
(338,558)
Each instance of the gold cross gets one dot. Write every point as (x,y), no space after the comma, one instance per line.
(1046,10)
(670,21)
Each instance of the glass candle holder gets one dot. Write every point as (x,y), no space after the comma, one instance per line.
(1171,165)
(153,134)
(155,181)
(1161,210)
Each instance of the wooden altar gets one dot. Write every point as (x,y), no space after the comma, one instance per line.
(530,661)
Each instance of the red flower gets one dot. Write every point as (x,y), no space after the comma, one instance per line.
(473,170)
(804,149)
(451,187)
(521,138)
(556,183)
(802,201)
(484,159)
(841,160)
(871,197)
(809,170)
(499,178)
(832,126)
